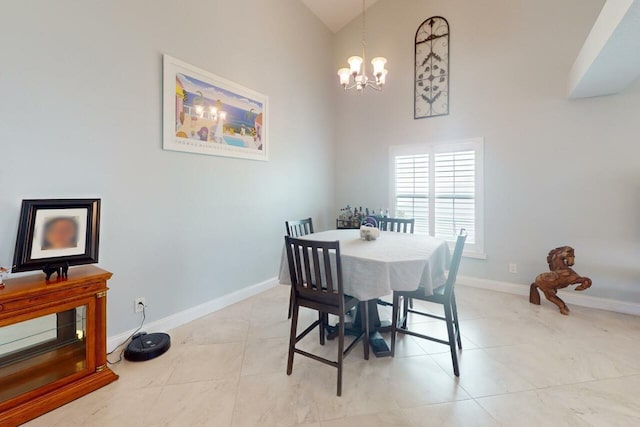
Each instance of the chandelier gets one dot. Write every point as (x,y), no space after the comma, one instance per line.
(358,68)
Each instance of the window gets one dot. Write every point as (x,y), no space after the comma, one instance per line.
(440,185)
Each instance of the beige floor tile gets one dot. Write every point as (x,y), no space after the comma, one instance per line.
(365,389)
(568,361)
(466,413)
(113,405)
(266,356)
(612,402)
(207,362)
(274,400)
(419,381)
(206,403)
(481,375)
(393,418)
(151,373)
(213,330)
(530,409)
(499,331)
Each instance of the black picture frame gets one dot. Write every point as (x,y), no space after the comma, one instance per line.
(22,259)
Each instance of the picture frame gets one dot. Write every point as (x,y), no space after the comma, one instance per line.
(432,71)
(57,232)
(206,114)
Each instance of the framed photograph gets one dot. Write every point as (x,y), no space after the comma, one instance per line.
(207,114)
(56,231)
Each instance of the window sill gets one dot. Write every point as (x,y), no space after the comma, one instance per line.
(474,255)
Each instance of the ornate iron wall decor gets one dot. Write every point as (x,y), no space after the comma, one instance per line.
(432,68)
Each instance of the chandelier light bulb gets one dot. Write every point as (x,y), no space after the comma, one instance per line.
(199,110)
(223,115)
(354,63)
(344,74)
(213,111)
(378,65)
(383,77)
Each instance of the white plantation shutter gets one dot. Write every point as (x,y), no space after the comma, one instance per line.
(440,185)
(455,188)
(412,190)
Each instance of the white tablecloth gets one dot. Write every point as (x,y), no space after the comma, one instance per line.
(393,262)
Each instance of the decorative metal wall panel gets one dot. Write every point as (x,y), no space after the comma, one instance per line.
(432,68)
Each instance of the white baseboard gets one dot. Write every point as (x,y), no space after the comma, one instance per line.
(190,314)
(570,297)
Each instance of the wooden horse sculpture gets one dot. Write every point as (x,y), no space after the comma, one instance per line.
(560,261)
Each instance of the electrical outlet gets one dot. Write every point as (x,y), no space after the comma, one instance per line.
(139,304)
(513,268)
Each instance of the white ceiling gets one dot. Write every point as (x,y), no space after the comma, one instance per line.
(337,13)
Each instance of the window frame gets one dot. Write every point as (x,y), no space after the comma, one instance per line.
(475,250)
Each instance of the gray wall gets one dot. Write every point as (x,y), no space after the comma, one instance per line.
(557,171)
(81,117)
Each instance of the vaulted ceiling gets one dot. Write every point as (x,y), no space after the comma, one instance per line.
(610,58)
(336,13)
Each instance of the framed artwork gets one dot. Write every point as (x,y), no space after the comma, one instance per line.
(431,94)
(57,231)
(207,114)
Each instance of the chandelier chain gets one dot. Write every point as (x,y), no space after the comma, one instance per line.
(364,23)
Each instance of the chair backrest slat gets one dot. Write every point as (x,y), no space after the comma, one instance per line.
(307,268)
(313,275)
(397,225)
(455,261)
(299,228)
(327,268)
(316,265)
(300,281)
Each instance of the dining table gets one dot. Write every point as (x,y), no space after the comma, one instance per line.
(372,269)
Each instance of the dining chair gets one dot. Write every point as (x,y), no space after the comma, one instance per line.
(318,286)
(399,225)
(297,228)
(443,295)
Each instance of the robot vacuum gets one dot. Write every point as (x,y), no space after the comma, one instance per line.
(145,346)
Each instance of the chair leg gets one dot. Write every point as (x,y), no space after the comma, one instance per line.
(405,311)
(455,319)
(290,303)
(292,337)
(452,339)
(340,353)
(394,322)
(321,327)
(364,306)
(411,303)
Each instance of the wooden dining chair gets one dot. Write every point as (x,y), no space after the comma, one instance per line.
(316,287)
(398,225)
(442,295)
(297,228)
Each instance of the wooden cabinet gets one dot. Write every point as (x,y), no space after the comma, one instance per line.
(52,342)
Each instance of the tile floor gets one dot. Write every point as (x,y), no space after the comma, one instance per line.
(522,365)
